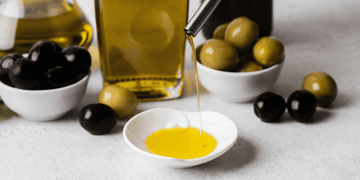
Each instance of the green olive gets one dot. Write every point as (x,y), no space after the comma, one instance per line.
(242,33)
(250,66)
(322,85)
(219,32)
(197,51)
(268,51)
(219,54)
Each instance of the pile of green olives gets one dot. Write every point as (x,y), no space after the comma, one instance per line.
(47,66)
(236,47)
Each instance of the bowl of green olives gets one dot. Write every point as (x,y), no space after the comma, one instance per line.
(237,65)
(238,87)
(46,83)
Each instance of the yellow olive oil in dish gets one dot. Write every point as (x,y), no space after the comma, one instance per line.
(142,45)
(63,23)
(181,143)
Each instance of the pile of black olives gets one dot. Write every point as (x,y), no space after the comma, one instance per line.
(301,105)
(47,66)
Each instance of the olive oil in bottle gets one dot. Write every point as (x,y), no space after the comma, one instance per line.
(25,22)
(142,45)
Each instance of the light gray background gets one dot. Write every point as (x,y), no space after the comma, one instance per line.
(319,35)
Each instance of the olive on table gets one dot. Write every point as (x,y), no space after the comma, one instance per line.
(5,63)
(121,100)
(24,74)
(301,105)
(219,54)
(322,85)
(46,54)
(269,107)
(97,118)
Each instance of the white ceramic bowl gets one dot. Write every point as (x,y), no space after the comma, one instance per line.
(43,105)
(138,128)
(238,87)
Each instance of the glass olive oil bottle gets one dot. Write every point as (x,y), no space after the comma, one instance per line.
(142,45)
(25,22)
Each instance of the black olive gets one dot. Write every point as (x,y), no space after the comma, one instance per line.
(301,105)
(43,81)
(97,118)
(59,77)
(24,74)
(77,57)
(269,106)
(5,63)
(46,54)
(81,73)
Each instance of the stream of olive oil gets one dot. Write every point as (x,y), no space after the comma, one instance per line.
(183,143)
(193,53)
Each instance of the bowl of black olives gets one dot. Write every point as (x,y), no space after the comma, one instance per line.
(46,83)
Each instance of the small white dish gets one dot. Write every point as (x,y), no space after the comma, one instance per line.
(138,128)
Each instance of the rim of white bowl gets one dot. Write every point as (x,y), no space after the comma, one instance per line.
(228,73)
(209,156)
(4,86)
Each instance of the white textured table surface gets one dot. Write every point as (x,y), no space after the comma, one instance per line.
(318,35)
